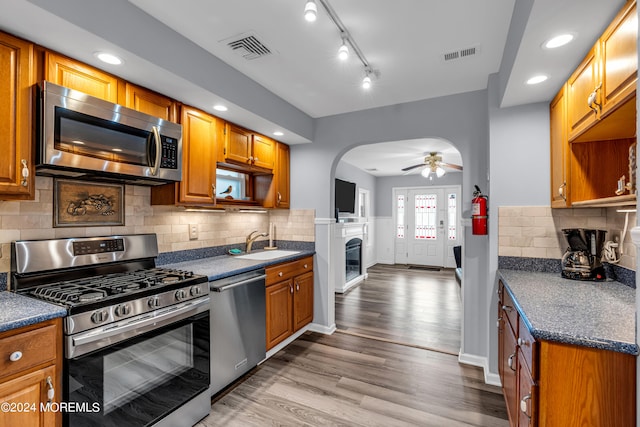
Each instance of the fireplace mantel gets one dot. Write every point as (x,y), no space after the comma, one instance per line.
(342,233)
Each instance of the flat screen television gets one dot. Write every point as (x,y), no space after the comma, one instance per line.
(345,196)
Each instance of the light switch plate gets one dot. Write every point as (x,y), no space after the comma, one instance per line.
(193,231)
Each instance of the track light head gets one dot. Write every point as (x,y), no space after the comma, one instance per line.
(310,11)
(343,52)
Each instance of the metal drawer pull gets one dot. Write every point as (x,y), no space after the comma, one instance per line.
(507,308)
(25,173)
(213,192)
(297,286)
(15,356)
(51,392)
(510,361)
(524,406)
(291,288)
(522,342)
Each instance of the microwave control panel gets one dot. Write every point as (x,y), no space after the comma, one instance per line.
(169,158)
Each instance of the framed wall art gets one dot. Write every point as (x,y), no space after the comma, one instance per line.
(87,204)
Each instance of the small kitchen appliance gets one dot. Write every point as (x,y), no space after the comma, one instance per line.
(136,337)
(581,260)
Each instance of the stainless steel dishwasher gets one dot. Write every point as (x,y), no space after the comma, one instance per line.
(238,326)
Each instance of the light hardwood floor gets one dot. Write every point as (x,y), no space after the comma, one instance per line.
(355,378)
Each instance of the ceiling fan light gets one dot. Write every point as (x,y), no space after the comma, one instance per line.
(440,172)
(310,11)
(425,172)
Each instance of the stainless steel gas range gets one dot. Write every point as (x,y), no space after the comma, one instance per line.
(137,337)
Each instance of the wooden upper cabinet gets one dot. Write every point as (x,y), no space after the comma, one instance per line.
(581,85)
(619,56)
(16,118)
(281,177)
(237,144)
(200,133)
(246,148)
(66,72)
(559,152)
(149,102)
(263,151)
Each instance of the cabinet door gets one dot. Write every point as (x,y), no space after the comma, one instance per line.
(281,177)
(303,300)
(27,392)
(66,72)
(149,102)
(199,138)
(559,152)
(527,399)
(580,85)
(16,85)
(263,152)
(237,144)
(619,57)
(509,368)
(279,301)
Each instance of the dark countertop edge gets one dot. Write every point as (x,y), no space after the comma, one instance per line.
(34,311)
(601,344)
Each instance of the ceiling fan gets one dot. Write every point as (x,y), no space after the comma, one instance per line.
(433,163)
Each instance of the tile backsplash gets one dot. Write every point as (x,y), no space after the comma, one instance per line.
(536,231)
(33,220)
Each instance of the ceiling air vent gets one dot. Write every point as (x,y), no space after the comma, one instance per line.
(460,54)
(248,45)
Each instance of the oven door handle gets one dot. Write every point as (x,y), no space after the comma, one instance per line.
(95,339)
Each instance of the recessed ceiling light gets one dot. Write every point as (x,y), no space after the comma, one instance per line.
(108,58)
(558,41)
(278,133)
(220,107)
(537,79)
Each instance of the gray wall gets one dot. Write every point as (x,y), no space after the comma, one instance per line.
(385,185)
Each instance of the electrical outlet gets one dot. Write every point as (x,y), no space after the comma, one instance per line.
(193,231)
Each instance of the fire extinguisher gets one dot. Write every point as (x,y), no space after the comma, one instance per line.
(479,212)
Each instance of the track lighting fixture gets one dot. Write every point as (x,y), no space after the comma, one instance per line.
(343,52)
(310,11)
(310,14)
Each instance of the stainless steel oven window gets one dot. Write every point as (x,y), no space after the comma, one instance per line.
(138,369)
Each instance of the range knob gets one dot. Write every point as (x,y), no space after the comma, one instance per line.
(195,291)
(181,294)
(153,302)
(99,316)
(123,310)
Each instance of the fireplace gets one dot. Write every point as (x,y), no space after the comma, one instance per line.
(353,259)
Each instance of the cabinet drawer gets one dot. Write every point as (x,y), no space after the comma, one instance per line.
(509,311)
(284,271)
(37,346)
(528,347)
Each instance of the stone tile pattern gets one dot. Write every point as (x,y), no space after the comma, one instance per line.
(23,220)
(536,231)
(592,314)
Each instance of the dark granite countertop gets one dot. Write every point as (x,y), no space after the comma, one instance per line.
(219,267)
(593,314)
(17,311)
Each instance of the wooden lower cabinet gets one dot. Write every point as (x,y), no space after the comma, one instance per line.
(30,368)
(289,299)
(551,384)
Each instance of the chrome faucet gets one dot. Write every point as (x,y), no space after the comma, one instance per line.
(251,238)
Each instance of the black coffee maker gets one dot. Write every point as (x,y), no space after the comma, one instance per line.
(581,261)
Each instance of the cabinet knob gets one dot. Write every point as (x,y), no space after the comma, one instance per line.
(213,191)
(522,342)
(280,273)
(15,356)
(297,287)
(255,159)
(510,361)
(507,308)
(498,322)
(291,288)
(524,407)
(561,190)
(305,266)
(279,198)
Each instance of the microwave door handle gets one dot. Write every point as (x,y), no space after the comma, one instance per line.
(156,164)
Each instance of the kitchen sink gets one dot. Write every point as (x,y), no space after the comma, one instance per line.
(267,255)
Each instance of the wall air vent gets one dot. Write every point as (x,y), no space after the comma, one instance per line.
(248,45)
(461,53)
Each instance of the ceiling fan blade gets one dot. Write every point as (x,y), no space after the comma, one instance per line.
(451,165)
(412,167)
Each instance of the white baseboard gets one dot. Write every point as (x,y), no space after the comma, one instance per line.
(350,284)
(321,329)
(482,362)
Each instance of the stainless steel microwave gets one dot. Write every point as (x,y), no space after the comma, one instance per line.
(81,136)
